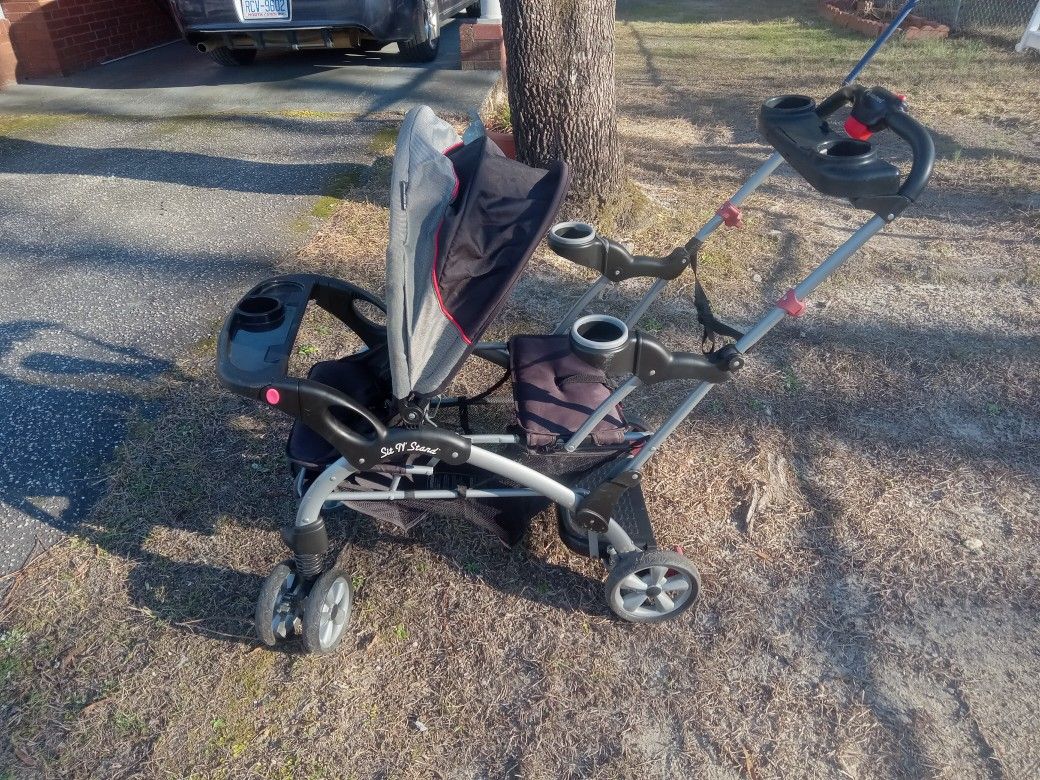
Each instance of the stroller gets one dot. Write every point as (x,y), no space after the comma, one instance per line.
(464,222)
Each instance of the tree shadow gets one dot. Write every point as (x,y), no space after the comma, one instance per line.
(852,655)
(63,415)
(18,156)
(247,486)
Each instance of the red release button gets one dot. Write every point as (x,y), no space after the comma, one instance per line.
(857,129)
(273,396)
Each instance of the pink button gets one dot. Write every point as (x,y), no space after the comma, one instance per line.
(272,396)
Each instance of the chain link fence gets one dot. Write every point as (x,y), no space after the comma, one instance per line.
(998,20)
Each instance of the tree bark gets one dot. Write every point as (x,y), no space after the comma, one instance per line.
(562,96)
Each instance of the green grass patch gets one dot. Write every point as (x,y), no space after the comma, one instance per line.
(303,113)
(384,141)
(337,190)
(34,123)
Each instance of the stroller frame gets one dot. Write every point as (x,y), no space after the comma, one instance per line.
(645,583)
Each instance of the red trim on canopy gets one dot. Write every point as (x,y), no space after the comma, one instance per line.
(437,252)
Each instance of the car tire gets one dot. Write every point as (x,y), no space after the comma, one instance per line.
(421,48)
(232,58)
(423,51)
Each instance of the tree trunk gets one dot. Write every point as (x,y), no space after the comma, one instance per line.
(562,97)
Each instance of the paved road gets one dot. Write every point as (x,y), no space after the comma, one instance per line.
(137,200)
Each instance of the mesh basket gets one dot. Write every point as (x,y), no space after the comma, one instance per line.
(507,518)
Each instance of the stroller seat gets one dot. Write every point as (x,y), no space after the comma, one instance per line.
(556,391)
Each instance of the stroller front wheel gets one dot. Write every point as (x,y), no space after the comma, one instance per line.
(652,586)
(327,611)
(278,606)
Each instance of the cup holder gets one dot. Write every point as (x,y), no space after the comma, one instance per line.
(572,234)
(260,312)
(846,149)
(790,104)
(597,338)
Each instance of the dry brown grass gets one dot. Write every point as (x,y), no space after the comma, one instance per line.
(845,630)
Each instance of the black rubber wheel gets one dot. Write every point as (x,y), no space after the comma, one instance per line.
(326,614)
(277,608)
(652,586)
(232,58)
(369,45)
(575,539)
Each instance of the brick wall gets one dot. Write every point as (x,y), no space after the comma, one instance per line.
(30,39)
(482,45)
(7,60)
(62,36)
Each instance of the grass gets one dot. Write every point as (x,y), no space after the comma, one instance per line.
(383,141)
(846,629)
(33,123)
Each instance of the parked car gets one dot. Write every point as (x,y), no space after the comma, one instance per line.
(233,31)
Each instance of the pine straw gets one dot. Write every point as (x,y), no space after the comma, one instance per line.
(845,631)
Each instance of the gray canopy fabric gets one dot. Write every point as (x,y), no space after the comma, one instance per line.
(464,222)
(422,185)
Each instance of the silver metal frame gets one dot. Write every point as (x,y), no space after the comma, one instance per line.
(325,489)
(757,179)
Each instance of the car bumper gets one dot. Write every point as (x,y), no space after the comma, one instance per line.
(386,20)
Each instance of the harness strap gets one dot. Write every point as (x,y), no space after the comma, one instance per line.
(712,325)
(465,403)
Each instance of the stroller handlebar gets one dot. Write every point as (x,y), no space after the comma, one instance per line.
(923,148)
(850,167)
(259,336)
(876,109)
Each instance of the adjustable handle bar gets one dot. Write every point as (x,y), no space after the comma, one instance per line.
(257,340)
(876,109)
(605,342)
(579,243)
(922,147)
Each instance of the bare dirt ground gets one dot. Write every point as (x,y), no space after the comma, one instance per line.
(861,503)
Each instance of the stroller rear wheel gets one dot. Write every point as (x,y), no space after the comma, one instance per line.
(278,607)
(652,586)
(327,611)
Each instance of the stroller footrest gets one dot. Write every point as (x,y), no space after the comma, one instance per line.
(630,513)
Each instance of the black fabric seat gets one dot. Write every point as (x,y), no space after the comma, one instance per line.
(555,392)
(366,378)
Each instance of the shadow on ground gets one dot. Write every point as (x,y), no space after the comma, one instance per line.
(211,463)
(20,156)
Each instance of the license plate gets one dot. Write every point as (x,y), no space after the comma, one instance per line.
(264,9)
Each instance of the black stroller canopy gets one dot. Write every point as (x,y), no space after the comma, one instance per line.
(464,221)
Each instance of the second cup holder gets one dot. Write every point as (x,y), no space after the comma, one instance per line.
(790,105)
(260,312)
(572,234)
(597,338)
(846,149)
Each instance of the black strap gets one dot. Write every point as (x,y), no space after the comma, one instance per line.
(490,390)
(712,325)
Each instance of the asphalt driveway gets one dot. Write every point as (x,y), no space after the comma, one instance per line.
(137,200)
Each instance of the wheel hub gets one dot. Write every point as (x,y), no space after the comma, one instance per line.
(653,592)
